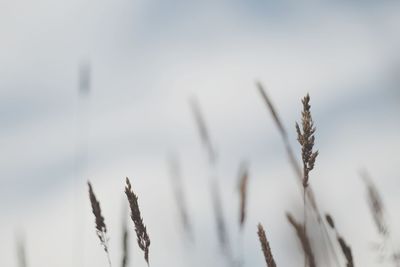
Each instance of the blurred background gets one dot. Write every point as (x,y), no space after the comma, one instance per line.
(100,90)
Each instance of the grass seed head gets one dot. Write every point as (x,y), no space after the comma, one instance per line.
(143,239)
(306,138)
(266,249)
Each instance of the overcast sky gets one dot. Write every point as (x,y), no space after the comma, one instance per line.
(147,60)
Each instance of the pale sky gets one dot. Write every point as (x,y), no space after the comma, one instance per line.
(148,58)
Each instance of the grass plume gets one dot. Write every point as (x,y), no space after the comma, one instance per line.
(298,170)
(101,229)
(244,178)
(306,138)
(266,249)
(143,239)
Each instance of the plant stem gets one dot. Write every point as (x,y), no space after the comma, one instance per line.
(305,220)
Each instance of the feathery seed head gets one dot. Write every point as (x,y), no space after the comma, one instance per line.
(101,229)
(266,249)
(306,139)
(143,239)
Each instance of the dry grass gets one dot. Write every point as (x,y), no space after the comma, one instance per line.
(180,197)
(346,250)
(278,123)
(222,232)
(101,229)
(386,248)
(306,138)
(125,244)
(309,193)
(203,130)
(376,205)
(289,151)
(266,249)
(304,240)
(143,239)
(244,178)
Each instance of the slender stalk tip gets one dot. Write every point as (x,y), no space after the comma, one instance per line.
(101,229)
(306,138)
(143,239)
(243,184)
(265,247)
(330,221)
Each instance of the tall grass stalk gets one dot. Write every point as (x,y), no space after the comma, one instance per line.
(101,229)
(298,172)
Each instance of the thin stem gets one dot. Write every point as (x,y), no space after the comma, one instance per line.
(305,220)
(330,243)
(298,171)
(106,247)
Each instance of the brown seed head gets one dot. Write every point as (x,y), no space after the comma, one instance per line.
(101,229)
(266,249)
(376,205)
(143,239)
(244,177)
(306,138)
